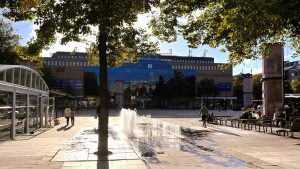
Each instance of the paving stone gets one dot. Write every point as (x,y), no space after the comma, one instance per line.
(256,150)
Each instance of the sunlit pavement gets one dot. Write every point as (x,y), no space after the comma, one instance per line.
(213,147)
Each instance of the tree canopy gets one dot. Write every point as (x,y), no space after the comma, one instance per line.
(238,26)
(74,19)
(8,42)
(295,85)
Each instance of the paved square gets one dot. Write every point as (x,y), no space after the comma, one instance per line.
(161,147)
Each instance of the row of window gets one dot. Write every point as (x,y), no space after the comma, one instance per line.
(194,67)
(70,56)
(66,63)
(23,77)
(188,61)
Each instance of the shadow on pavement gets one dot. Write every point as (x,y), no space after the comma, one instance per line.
(62,128)
(226,132)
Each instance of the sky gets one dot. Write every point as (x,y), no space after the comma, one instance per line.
(179,48)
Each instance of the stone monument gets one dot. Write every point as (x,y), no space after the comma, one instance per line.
(272,77)
(247,89)
(119,94)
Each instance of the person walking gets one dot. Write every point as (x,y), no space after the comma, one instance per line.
(67,114)
(72,116)
(204,114)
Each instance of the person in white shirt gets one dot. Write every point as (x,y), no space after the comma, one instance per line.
(67,114)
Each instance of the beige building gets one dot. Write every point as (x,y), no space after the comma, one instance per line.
(67,69)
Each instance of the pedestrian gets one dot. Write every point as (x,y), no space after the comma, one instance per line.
(72,116)
(67,114)
(204,114)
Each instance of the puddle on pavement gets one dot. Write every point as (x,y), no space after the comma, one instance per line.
(164,141)
(156,143)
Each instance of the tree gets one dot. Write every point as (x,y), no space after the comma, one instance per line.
(160,91)
(8,43)
(295,84)
(238,26)
(287,87)
(48,76)
(190,86)
(207,87)
(176,86)
(127,96)
(75,18)
(237,86)
(257,86)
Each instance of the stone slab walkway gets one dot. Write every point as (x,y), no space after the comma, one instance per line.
(247,149)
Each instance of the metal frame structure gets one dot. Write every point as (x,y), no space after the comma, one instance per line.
(23,80)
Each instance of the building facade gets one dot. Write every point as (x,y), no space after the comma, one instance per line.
(291,70)
(67,69)
(71,69)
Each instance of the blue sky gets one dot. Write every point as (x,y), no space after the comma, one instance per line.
(179,48)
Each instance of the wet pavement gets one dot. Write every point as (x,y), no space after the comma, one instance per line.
(163,141)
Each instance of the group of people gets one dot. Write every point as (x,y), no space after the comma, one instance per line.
(69,112)
(206,117)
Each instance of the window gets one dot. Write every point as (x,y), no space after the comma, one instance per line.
(293,74)
(149,66)
(16,75)
(23,77)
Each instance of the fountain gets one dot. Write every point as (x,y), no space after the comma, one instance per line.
(142,137)
(128,122)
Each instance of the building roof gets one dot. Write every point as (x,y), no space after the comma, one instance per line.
(22,77)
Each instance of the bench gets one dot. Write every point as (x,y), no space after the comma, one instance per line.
(290,120)
(284,131)
(264,123)
(295,126)
(221,119)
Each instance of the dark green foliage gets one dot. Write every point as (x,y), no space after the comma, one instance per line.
(8,44)
(207,87)
(257,86)
(240,27)
(287,87)
(237,86)
(47,75)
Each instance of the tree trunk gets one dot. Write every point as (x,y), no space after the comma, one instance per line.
(103,110)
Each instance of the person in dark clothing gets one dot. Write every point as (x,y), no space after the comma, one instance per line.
(288,112)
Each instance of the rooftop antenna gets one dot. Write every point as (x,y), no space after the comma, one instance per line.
(170,50)
(204,53)
(251,71)
(190,53)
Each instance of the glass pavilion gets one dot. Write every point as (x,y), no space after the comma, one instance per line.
(25,105)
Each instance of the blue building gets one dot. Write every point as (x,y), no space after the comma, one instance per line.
(145,72)
(71,70)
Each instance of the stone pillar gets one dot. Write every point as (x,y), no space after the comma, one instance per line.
(247,89)
(119,95)
(272,76)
